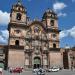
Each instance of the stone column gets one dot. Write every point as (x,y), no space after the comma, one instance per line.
(48,60)
(30,60)
(42,60)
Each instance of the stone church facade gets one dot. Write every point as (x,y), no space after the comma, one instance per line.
(33,44)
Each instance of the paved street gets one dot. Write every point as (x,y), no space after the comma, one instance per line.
(23,73)
(62,72)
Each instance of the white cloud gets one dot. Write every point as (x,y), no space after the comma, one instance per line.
(4,35)
(62,14)
(4,17)
(59,6)
(65,33)
(72,32)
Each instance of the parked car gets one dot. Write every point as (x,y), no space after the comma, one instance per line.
(16,70)
(53,69)
(49,70)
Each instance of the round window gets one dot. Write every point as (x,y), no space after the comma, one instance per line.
(54,35)
(36,29)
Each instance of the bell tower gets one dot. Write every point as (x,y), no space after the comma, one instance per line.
(18,13)
(16,29)
(50,20)
(17,24)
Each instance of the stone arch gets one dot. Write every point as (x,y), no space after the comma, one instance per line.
(54,45)
(17,42)
(37,62)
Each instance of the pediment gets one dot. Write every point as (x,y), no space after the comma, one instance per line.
(37,23)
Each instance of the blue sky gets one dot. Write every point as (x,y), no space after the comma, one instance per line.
(35,9)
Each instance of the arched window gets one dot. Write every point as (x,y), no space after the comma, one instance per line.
(54,45)
(18,17)
(54,35)
(52,22)
(19,9)
(17,42)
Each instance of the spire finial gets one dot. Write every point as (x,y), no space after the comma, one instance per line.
(19,2)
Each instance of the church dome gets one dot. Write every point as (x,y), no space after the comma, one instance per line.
(49,13)
(18,6)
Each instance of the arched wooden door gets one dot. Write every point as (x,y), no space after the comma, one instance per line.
(37,62)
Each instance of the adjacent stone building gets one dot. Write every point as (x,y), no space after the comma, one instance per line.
(3,56)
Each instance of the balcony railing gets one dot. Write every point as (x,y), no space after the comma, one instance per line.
(54,49)
(16,47)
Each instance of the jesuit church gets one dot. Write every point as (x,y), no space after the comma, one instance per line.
(34,44)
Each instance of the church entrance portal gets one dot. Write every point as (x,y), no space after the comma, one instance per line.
(37,62)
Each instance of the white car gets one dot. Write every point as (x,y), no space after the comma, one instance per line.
(54,69)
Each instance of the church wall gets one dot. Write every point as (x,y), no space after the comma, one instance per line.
(48,22)
(56,23)
(53,40)
(23,18)
(45,60)
(55,59)
(20,34)
(13,17)
(16,58)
